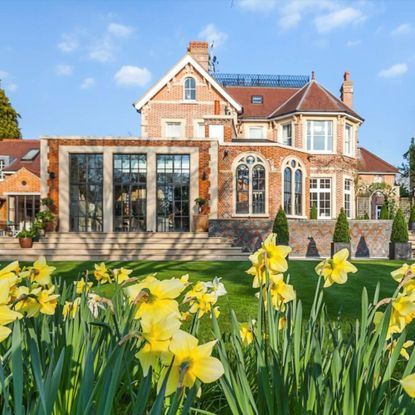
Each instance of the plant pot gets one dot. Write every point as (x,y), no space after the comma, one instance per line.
(338,246)
(25,242)
(400,250)
(201,223)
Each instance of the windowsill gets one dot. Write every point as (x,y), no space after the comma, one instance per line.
(252,215)
(296,217)
(189,101)
(321,152)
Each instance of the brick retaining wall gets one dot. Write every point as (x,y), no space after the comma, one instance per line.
(308,238)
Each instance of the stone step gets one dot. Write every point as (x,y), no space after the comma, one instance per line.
(117,235)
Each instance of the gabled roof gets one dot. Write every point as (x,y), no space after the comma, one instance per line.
(187,59)
(370,163)
(16,150)
(272,98)
(313,98)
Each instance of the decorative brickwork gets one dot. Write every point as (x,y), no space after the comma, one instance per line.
(308,238)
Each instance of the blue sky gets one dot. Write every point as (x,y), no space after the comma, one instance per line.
(75,68)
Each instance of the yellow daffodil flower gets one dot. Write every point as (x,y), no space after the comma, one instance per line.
(408,385)
(335,270)
(101,273)
(71,308)
(27,302)
(190,362)
(246,333)
(216,312)
(281,293)
(121,274)
(185,279)
(47,301)
(156,298)
(203,304)
(10,272)
(282,323)
(7,315)
(157,335)
(403,271)
(41,272)
(82,286)
(403,352)
(403,312)
(4,333)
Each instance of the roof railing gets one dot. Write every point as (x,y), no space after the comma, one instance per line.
(259,80)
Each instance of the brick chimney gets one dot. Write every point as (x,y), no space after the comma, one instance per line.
(346,90)
(200,51)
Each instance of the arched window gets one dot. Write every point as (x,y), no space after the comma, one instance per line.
(189,89)
(293,188)
(250,175)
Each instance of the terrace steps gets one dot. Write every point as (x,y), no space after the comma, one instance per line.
(186,246)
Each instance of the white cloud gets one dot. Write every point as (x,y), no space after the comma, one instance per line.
(257,5)
(129,75)
(69,43)
(402,29)
(6,81)
(120,30)
(88,83)
(102,50)
(338,18)
(394,71)
(64,70)
(352,43)
(11,86)
(213,35)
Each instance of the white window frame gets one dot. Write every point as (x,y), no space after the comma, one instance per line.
(293,167)
(256,127)
(349,193)
(258,161)
(287,124)
(219,136)
(310,132)
(318,190)
(348,140)
(169,122)
(2,165)
(197,126)
(190,88)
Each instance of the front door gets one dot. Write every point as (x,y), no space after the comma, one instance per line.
(130,192)
(173,192)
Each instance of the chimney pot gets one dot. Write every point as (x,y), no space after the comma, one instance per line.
(346,90)
(347,76)
(200,51)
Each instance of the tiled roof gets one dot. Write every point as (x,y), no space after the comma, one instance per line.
(371,163)
(272,98)
(313,98)
(16,149)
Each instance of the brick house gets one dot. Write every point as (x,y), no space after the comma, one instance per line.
(19,183)
(246,143)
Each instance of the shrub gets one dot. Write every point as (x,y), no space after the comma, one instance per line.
(366,216)
(280,227)
(384,212)
(313,212)
(341,231)
(399,228)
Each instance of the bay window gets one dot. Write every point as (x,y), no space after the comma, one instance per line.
(320,196)
(320,136)
(348,139)
(286,138)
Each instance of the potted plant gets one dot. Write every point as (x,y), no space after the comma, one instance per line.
(411,223)
(313,212)
(26,237)
(399,247)
(46,220)
(341,235)
(201,219)
(280,227)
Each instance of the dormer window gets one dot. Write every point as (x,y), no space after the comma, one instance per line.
(257,99)
(189,89)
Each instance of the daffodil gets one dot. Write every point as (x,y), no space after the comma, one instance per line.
(7,315)
(408,385)
(4,333)
(26,301)
(10,272)
(216,312)
(216,287)
(101,273)
(403,271)
(246,333)
(335,270)
(403,312)
(281,292)
(82,286)
(156,298)
(47,301)
(184,279)
(189,362)
(121,274)
(157,335)
(403,352)
(203,304)
(71,308)
(41,272)
(95,303)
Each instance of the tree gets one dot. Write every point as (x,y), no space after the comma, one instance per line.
(280,227)
(407,169)
(399,228)
(313,212)
(384,212)
(341,231)
(9,118)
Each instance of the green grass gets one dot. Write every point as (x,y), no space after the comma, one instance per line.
(342,300)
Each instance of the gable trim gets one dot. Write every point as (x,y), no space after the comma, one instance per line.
(173,71)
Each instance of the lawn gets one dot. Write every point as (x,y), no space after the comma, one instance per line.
(341,300)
